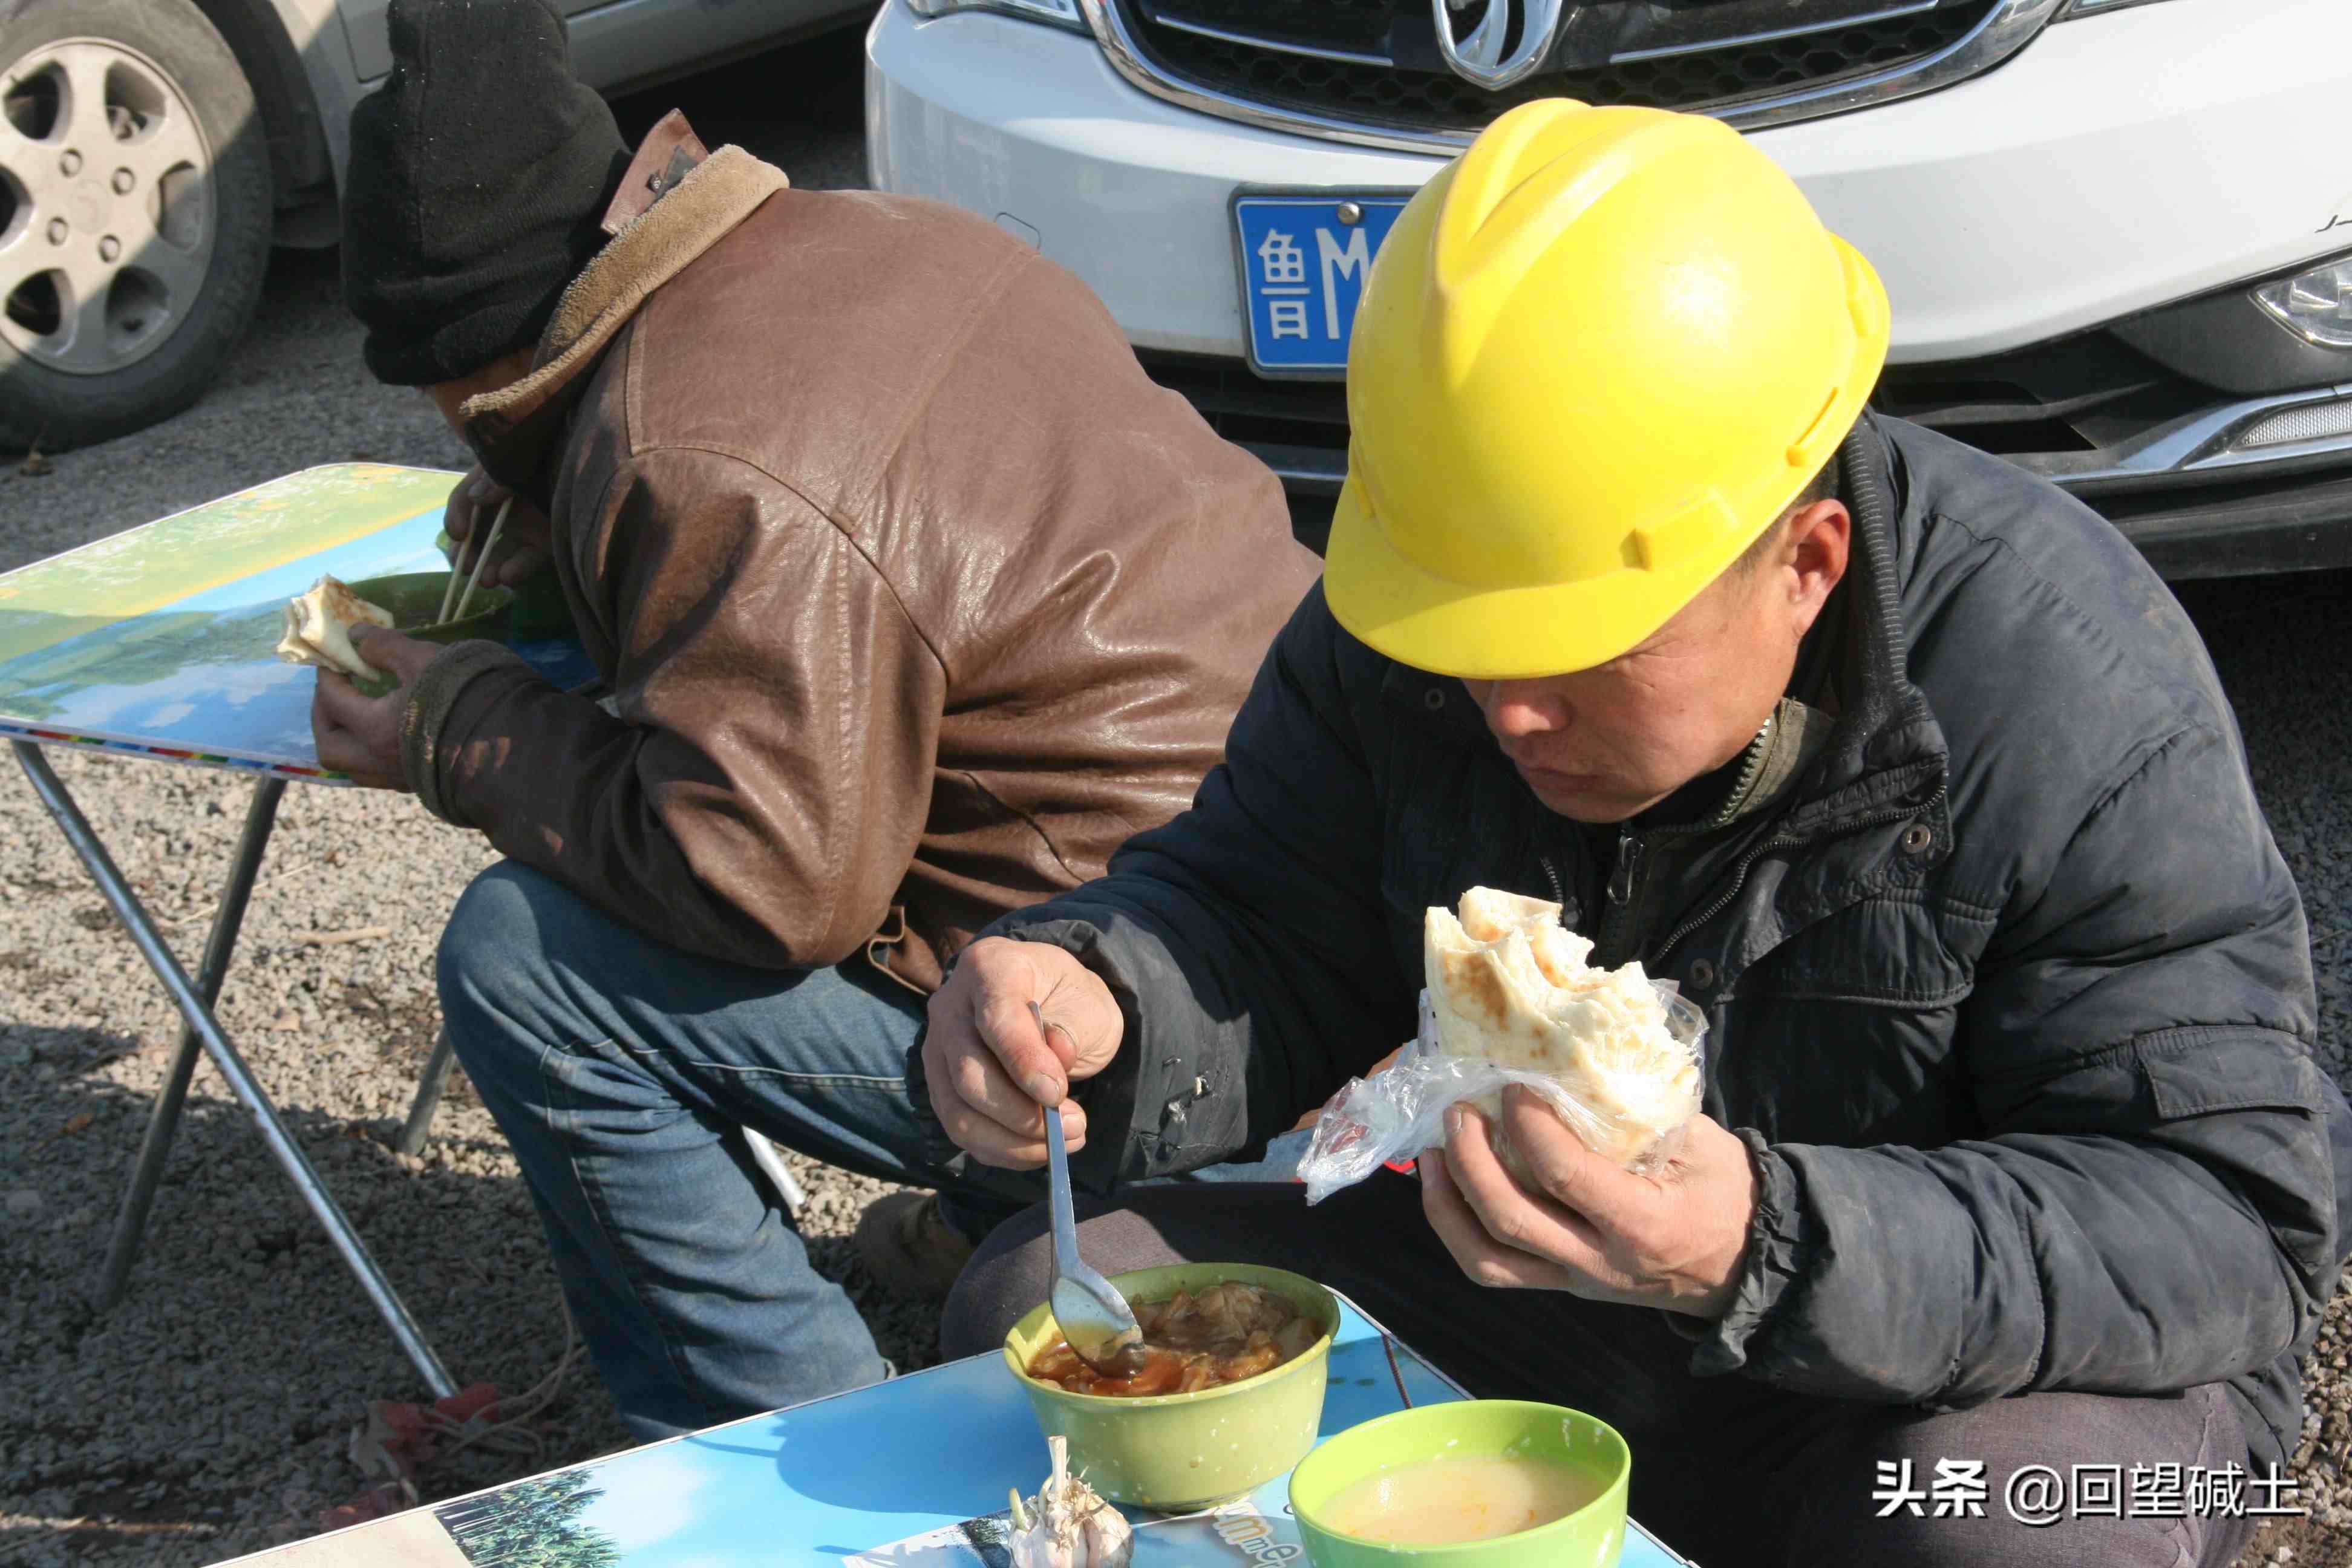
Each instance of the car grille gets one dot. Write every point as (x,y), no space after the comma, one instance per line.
(2078,394)
(1377,61)
(2047,408)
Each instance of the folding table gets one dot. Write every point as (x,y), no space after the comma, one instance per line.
(157,643)
(911,1473)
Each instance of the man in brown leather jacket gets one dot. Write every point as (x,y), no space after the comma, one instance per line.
(915,599)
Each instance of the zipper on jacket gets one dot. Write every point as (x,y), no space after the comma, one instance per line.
(1783,841)
(1621,879)
(1629,889)
(1624,881)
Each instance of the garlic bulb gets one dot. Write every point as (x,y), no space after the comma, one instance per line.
(1065,1525)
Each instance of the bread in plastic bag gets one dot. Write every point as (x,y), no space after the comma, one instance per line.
(1511,1000)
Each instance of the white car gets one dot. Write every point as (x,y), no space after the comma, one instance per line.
(2117,233)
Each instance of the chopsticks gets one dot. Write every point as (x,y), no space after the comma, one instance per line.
(481,557)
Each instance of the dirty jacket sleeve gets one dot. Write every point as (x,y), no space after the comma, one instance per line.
(757,796)
(2152,1206)
(1244,940)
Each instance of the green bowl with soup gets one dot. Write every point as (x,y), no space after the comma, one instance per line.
(1177,1452)
(1485,1483)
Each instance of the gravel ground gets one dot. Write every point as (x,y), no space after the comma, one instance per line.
(208,1417)
(171,1431)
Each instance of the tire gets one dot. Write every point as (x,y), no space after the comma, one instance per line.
(122,330)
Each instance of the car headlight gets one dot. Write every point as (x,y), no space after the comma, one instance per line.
(2315,306)
(1056,13)
(2096,7)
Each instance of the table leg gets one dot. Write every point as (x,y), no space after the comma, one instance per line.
(164,1120)
(199,1017)
(428,1095)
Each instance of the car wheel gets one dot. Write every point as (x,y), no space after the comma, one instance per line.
(134,215)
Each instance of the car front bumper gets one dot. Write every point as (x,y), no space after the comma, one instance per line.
(2116,166)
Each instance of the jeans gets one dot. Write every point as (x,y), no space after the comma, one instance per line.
(1725,1469)
(620,1070)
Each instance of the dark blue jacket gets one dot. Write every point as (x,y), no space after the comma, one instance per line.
(2010,991)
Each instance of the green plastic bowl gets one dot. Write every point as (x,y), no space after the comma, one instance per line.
(1592,1537)
(540,610)
(414,600)
(1178,1452)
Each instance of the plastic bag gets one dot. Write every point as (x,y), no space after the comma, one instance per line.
(1398,1113)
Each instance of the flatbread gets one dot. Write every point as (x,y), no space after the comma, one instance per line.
(319,629)
(1508,984)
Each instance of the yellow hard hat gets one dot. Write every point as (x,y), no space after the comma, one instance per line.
(1598,354)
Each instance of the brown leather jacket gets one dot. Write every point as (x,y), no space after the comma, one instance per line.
(917,596)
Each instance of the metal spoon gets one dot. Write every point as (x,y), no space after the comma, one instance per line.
(1092,1315)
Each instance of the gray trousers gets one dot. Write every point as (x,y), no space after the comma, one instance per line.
(1726,1471)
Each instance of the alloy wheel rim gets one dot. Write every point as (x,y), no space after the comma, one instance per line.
(108,207)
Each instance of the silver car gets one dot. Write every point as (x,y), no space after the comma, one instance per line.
(152,151)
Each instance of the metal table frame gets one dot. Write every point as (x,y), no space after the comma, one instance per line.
(200,1030)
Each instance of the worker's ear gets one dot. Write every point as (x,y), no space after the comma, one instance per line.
(1820,538)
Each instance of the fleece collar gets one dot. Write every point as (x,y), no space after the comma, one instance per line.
(510,429)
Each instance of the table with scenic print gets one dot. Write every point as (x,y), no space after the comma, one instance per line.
(911,1473)
(157,644)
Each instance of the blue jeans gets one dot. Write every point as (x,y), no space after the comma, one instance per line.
(619,1069)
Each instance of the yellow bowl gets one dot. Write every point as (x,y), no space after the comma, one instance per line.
(1177,1452)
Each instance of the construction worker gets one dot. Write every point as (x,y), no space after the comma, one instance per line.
(1902,763)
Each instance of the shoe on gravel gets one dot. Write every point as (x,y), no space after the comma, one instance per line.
(909,1246)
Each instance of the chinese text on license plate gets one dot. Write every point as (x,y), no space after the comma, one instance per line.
(1303,261)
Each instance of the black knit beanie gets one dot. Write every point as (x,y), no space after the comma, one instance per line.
(479,174)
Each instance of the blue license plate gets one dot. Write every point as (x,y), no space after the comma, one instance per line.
(1304,259)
